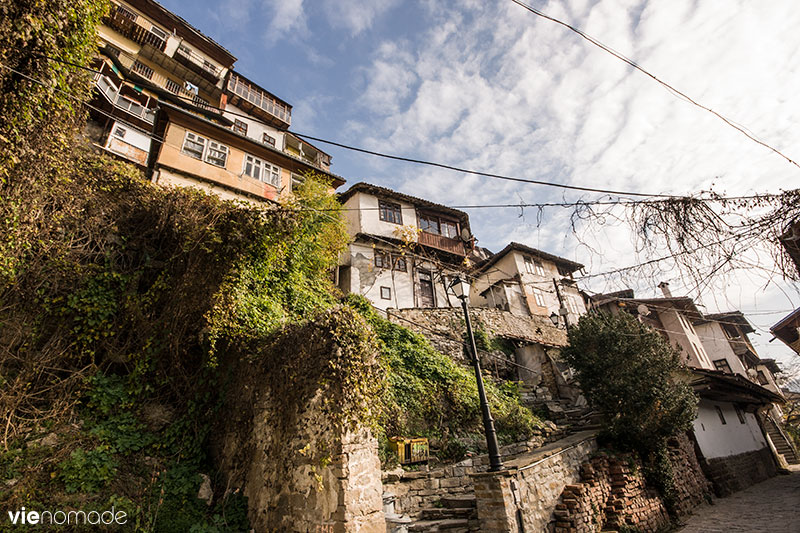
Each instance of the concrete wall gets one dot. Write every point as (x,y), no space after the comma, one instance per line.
(681,333)
(255,128)
(718,346)
(369,221)
(716,439)
(231,176)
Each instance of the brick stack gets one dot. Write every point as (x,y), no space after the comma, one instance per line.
(611,494)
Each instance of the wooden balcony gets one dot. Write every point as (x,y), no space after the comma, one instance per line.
(252,99)
(197,64)
(454,246)
(131,29)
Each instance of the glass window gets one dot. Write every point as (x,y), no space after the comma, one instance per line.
(429,224)
(382,260)
(240,126)
(390,212)
(217,154)
(449,229)
(532,266)
(386,293)
(722,365)
(719,413)
(739,414)
(194,145)
(263,171)
(399,263)
(268,139)
(120,132)
(538,296)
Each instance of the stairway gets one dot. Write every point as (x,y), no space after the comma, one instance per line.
(456,515)
(781,444)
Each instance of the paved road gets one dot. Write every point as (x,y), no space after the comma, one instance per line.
(772,506)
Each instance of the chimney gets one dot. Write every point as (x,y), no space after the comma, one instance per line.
(664,286)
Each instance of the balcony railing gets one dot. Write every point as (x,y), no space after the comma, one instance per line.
(259,98)
(112,94)
(120,20)
(454,246)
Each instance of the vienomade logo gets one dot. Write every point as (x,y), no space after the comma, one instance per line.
(60,518)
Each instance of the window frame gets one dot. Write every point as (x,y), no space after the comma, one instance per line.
(538,297)
(390,212)
(239,126)
(534,266)
(271,142)
(721,415)
(213,159)
(722,362)
(195,136)
(267,172)
(386,293)
(739,414)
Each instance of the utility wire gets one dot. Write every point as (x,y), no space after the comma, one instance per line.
(633,64)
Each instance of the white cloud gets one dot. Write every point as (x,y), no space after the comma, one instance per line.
(286,17)
(355,16)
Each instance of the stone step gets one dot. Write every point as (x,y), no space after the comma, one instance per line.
(458,502)
(440,525)
(443,513)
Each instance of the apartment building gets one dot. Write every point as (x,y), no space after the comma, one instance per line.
(528,282)
(169,100)
(404,250)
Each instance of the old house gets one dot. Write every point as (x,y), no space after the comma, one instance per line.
(404,250)
(168,100)
(788,328)
(528,282)
(734,412)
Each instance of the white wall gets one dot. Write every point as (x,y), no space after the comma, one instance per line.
(693,353)
(255,129)
(722,440)
(369,221)
(718,346)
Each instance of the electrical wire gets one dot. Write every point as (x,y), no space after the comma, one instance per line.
(669,87)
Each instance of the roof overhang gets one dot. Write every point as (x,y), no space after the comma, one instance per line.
(571,266)
(720,386)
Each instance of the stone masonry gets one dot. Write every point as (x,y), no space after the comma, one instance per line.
(736,472)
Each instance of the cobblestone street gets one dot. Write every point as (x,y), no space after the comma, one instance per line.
(772,506)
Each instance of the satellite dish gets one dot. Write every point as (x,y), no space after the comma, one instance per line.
(465,235)
(643,310)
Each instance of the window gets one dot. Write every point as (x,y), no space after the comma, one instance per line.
(172,86)
(269,139)
(429,224)
(438,226)
(217,154)
(386,293)
(762,378)
(297,180)
(722,364)
(538,296)
(572,306)
(261,170)
(533,266)
(127,13)
(382,260)
(185,50)
(209,66)
(158,32)
(719,413)
(194,145)
(739,414)
(390,212)
(120,132)
(240,126)
(399,263)
(142,69)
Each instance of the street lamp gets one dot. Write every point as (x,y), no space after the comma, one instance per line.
(554,318)
(461,288)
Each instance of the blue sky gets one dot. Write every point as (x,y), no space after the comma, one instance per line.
(487,85)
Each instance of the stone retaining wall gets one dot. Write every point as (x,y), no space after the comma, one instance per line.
(527,492)
(737,472)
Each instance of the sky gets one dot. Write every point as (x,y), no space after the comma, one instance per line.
(489,86)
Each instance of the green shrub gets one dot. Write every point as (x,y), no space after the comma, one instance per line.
(88,471)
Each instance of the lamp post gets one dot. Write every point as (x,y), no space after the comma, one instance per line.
(461,288)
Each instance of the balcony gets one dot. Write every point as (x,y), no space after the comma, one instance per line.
(130,103)
(454,246)
(252,99)
(197,63)
(127,23)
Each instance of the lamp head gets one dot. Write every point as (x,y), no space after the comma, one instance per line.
(554,318)
(460,288)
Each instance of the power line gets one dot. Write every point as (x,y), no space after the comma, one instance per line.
(663,83)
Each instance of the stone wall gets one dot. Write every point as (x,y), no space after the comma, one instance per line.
(692,487)
(300,464)
(737,472)
(527,492)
